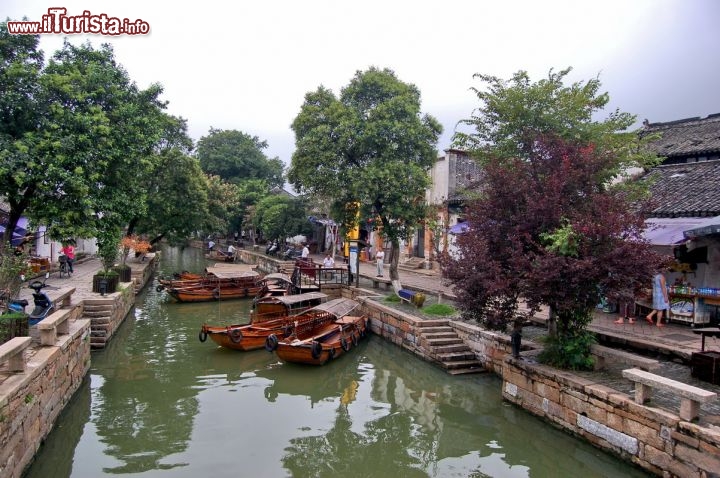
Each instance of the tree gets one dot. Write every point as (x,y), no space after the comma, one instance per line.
(235,156)
(279,217)
(78,164)
(549,226)
(223,200)
(177,199)
(370,146)
(21,64)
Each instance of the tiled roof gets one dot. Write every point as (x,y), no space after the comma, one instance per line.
(686,137)
(686,189)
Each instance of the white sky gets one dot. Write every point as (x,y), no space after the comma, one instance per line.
(247,65)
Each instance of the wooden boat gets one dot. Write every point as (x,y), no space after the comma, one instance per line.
(277,284)
(223,275)
(315,343)
(220,256)
(221,283)
(271,315)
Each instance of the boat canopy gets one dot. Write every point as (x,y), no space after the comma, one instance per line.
(278,276)
(337,307)
(232,271)
(297,298)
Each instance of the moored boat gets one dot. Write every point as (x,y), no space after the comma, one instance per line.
(221,283)
(315,343)
(271,315)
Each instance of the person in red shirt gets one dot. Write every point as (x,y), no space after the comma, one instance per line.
(69,251)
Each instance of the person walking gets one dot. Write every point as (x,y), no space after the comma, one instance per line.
(379,256)
(660,302)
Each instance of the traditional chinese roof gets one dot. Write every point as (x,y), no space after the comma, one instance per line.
(686,138)
(685,189)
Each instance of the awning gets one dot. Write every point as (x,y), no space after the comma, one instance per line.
(459,228)
(709,225)
(668,231)
(321,221)
(19,234)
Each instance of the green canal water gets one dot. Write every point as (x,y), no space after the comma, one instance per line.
(158,403)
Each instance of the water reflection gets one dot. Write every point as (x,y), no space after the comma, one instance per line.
(160,402)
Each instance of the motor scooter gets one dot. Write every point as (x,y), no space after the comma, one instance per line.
(271,250)
(43,305)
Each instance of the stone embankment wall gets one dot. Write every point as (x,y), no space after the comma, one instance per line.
(107,312)
(654,439)
(32,399)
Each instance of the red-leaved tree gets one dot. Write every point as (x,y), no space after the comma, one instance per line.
(549,229)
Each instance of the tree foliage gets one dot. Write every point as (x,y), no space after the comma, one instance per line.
(513,113)
(177,198)
(370,145)
(77,165)
(235,156)
(549,227)
(279,217)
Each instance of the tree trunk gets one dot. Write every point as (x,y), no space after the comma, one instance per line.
(552,323)
(394,259)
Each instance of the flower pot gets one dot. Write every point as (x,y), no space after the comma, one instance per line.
(124,273)
(105,284)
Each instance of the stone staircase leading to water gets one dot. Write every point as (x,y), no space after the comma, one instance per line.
(446,348)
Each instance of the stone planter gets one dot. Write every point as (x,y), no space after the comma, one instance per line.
(124,273)
(111,282)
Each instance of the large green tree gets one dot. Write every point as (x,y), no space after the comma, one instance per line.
(177,199)
(372,146)
(235,156)
(78,164)
(279,217)
(21,64)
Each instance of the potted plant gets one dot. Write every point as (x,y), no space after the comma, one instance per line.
(106,281)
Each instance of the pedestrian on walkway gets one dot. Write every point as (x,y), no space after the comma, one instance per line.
(379,256)
(69,251)
(660,302)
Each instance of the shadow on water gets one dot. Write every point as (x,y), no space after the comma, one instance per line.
(159,402)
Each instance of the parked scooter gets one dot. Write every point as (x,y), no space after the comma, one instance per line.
(43,305)
(290,253)
(272,247)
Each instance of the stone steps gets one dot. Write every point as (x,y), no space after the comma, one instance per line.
(447,348)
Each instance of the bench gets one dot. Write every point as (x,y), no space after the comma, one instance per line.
(53,325)
(412,297)
(603,353)
(63,298)
(13,352)
(690,397)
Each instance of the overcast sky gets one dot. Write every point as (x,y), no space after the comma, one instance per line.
(247,65)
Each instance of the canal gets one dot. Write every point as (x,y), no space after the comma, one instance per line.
(158,402)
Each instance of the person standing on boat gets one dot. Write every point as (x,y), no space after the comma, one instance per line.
(231,251)
(305,251)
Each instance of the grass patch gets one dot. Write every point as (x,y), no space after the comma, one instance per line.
(392,298)
(439,309)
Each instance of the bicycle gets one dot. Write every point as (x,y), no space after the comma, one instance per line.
(64,266)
